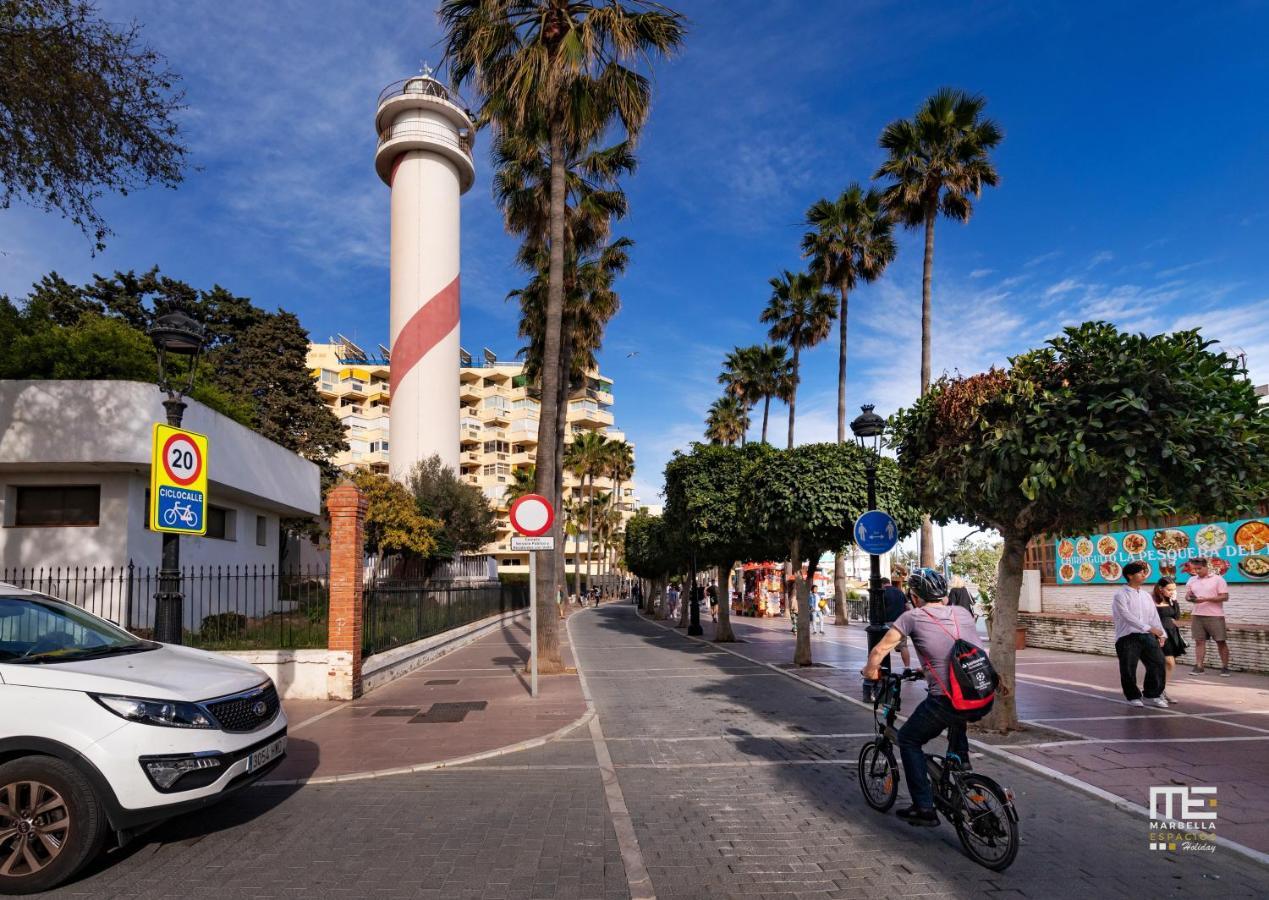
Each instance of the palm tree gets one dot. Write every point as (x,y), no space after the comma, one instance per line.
(800,314)
(773,372)
(573,514)
(742,378)
(852,240)
(556,71)
(522,481)
(586,457)
(727,422)
(619,468)
(935,162)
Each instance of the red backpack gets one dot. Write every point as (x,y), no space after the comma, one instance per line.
(971,679)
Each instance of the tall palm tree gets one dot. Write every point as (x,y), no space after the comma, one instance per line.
(619,468)
(556,70)
(852,240)
(773,377)
(800,313)
(573,515)
(727,422)
(742,378)
(586,457)
(936,161)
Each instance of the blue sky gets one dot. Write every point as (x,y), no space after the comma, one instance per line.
(1134,185)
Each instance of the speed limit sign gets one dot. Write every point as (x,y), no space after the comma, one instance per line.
(178,481)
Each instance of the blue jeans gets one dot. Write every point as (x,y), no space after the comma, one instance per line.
(926,723)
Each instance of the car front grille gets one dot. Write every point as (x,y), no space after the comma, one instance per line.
(246,711)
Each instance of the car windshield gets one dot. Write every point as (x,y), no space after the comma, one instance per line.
(38,629)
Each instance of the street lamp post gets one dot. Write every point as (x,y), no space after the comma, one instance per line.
(175,334)
(868,428)
(694,608)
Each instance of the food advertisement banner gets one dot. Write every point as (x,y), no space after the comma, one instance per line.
(1239,550)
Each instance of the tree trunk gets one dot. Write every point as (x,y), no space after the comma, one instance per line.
(931,211)
(841,370)
(590,529)
(793,395)
(548,648)
(685,604)
(1004,623)
(766,408)
(802,648)
(722,632)
(839,589)
(561,416)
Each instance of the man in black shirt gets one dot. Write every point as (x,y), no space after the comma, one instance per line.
(895,600)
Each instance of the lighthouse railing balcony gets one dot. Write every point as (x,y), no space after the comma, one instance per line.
(465,141)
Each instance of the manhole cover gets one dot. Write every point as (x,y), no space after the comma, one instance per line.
(442,681)
(449,712)
(397,711)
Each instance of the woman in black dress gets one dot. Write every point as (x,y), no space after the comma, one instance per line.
(1169,611)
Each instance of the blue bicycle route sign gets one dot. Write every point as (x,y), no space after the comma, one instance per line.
(875,532)
(178,481)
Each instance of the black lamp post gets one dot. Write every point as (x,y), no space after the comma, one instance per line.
(177,334)
(694,609)
(868,428)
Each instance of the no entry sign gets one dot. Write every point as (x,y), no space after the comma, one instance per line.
(178,481)
(532,515)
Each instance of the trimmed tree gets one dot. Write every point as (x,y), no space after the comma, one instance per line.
(708,506)
(649,557)
(1096,425)
(808,499)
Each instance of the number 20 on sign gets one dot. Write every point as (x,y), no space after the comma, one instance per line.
(178,481)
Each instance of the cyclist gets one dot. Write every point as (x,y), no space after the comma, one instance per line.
(933,627)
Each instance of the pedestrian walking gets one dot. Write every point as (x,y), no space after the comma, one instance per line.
(712,593)
(895,601)
(959,594)
(1208,592)
(672,598)
(1139,637)
(817,611)
(1169,611)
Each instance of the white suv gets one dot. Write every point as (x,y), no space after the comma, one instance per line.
(103,732)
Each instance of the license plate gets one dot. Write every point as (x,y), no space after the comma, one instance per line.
(266,754)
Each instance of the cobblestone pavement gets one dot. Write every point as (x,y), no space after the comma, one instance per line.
(726,779)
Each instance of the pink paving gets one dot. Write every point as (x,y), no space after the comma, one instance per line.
(390,728)
(1216,734)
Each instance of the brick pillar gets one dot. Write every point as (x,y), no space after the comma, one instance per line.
(347,507)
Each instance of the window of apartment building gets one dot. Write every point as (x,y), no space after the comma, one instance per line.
(497,402)
(497,447)
(262,531)
(378,446)
(329,379)
(583,404)
(526,404)
(37,506)
(496,469)
(220,523)
(510,561)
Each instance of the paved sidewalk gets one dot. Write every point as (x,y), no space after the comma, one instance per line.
(1217,733)
(472,701)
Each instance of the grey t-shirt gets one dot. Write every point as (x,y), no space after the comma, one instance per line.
(933,630)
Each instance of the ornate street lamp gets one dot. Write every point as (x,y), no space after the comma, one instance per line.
(869,430)
(174,334)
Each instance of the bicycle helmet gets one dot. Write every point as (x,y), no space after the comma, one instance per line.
(929,585)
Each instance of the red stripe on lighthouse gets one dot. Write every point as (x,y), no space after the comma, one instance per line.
(426,327)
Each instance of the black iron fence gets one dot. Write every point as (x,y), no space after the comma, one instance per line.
(403,605)
(225,608)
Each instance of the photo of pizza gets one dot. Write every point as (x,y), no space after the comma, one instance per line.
(1066,548)
(1217,566)
(1210,538)
(1134,543)
(1087,571)
(1254,566)
(1111,571)
(1084,547)
(1107,545)
(1252,536)
(1171,539)
(1067,572)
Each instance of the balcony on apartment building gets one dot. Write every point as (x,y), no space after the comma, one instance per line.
(589,414)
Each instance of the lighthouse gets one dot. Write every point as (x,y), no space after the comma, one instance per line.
(424,156)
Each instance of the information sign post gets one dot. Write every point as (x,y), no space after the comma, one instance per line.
(532,516)
(178,505)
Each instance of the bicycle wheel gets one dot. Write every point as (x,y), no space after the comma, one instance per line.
(985,824)
(878,775)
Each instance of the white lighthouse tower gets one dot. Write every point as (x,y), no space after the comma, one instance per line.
(425,157)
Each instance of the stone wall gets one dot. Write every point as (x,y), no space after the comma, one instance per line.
(1085,633)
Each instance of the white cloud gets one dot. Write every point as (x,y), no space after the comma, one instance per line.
(981,273)
(1042,258)
(1065,286)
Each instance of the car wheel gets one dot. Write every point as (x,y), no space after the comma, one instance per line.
(51,823)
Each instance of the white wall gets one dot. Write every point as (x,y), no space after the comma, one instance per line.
(1248,603)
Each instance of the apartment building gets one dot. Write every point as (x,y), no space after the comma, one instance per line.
(354,385)
(498,433)
(498,429)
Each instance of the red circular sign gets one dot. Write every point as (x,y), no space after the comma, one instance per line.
(532,515)
(182,462)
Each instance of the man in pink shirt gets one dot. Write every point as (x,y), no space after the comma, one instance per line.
(1208,592)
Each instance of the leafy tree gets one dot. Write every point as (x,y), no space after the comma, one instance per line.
(394,523)
(979,562)
(936,161)
(809,497)
(851,241)
(652,554)
(727,421)
(556,72)
(709,510)
(800,314)
(85,108)
(468,521)
(1095,426)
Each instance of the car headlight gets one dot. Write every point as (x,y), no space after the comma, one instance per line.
(169,713)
